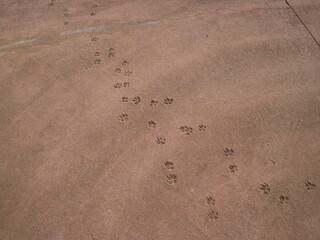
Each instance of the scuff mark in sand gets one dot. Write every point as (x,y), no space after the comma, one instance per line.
(17,43)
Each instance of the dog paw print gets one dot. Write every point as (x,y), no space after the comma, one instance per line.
(168,166)
(126,84)
(118,70)
(172,179)
(92,14)
(202,127)
(51,4)
(124,62)
(228,152)
(233,168)
(136,100)
(211,200)
(186,130)
(123,117)
(97,54)
(97,61)
(117,85)
(111,52)
(152,124)
(153,103)
(94,39)
(310,185)
(265,188)
(66,23)
(168,101)
(127,72)
(124,99)
(283,199)
(213,215)
(66,12)
(161,140)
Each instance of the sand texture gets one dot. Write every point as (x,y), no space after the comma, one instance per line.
(159,120)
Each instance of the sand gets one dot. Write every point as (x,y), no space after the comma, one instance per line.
(171,119)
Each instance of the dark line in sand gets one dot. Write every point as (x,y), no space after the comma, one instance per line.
(303,23)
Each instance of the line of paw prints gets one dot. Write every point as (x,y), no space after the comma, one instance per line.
(188,130)
(152,102)
(171,178)
(124,70)
(94,6)
(137,100)
(121,85)
(283,199)
(66,12)
(266,189)
(212,214)
(97,59)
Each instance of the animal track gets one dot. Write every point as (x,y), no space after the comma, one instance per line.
(93,14)
(126,84)
(228,152)
(153,103)
(127,72)
(66,14)
(161,140)
(310,185)
(125,62)
(97,61)
(117,85)
(211,200)
(118,70)
(168,166)
(111,52)
(94,6)
(152,124)
(97,54)
(51,4)
(233,168)
(94,39)
(172,178)
(186,130)
(202,127)
(265,188)
(136,100)
(213,215)
(120,85)
(66,23)
(123,117)
(283,199)
(125,99)
(168,101)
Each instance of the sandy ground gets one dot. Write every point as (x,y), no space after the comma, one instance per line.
(171,119)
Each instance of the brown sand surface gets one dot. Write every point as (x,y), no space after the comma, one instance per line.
(149,119)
